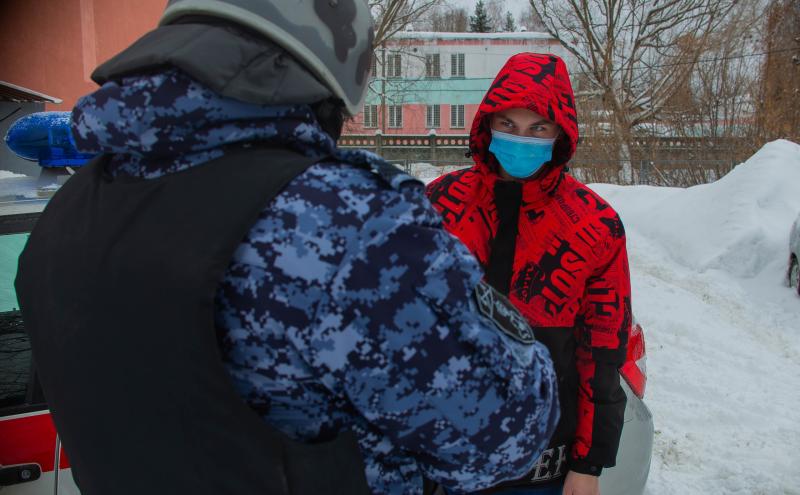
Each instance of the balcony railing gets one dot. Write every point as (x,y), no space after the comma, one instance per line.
(379,141)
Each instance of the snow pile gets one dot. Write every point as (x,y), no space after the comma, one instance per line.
(14,186)
(5,174)
(427,172)
(708,265)
(737,224)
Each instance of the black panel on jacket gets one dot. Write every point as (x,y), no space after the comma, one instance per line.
(500,269)
(117,286)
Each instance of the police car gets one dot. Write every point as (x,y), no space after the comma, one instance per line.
(32,460)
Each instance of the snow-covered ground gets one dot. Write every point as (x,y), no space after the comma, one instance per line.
(5,174)
(722,330)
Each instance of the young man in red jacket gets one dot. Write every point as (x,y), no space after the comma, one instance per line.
(557,250)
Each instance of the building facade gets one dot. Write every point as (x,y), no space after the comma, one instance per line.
(52,46)
(432,83)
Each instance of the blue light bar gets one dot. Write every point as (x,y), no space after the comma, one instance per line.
(46,137)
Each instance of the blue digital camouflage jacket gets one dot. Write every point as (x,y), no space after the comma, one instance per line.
(347,306)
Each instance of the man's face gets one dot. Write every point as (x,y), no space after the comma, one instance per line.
(524,122)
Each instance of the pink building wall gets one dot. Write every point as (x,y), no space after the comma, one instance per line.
(414,122)
(484,55)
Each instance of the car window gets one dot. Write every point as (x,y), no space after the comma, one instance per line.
(17,387)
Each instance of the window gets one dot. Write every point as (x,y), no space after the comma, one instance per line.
(457,65)
(395,116)
(370,116)
(432,119)
(393,62)
(18,388)
(433,65)
(457,116)
(373,70)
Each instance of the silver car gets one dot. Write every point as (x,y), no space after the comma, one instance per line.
(629,476)
(793,273)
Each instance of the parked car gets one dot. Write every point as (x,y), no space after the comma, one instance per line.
(32,459)
(793,273)
(629,476)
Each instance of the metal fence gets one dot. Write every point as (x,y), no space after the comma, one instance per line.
(671,173)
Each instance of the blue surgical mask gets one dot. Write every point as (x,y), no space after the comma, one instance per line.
(521,156)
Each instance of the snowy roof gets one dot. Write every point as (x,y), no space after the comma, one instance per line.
(432,35)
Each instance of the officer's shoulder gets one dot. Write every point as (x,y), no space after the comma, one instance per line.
(375,188)
(381,170)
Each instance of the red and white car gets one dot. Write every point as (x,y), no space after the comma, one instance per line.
(31,458)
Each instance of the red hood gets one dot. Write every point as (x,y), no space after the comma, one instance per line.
(538,82)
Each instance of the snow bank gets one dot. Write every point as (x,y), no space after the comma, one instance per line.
(5,174)
(737,224)
(722,331)
(427,172)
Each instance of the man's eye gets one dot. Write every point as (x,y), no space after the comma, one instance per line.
(508,124)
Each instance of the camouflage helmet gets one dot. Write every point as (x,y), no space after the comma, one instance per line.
(330,38)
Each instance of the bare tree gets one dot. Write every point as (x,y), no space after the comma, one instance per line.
(636,53)
(393,16)
(779,112)
(530,20)
(448,19)
(496,10)
(725,83)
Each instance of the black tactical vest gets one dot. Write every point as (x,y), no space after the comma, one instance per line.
(117,286)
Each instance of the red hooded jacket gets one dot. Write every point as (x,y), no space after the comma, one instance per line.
(569,273)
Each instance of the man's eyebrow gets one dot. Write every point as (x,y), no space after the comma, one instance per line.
(506,117)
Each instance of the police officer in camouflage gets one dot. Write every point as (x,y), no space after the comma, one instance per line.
(343,307)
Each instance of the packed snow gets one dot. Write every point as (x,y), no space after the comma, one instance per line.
(722,329)
(6,174)
(708,268)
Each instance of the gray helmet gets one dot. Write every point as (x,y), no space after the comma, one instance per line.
(331,38)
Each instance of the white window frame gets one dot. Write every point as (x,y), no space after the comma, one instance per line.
(433,66)
(370,116)
(394,66)
(396,116)
(456,116)
(457,65)
(433,115)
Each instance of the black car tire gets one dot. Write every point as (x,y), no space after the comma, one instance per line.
(794,275)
